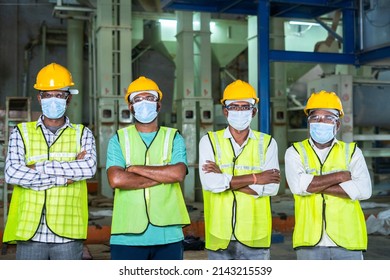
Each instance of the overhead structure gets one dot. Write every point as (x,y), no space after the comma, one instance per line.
(352,52)
(114,42)
(17,110)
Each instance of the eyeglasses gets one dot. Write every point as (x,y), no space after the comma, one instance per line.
(322,118)
(239,108)
(57,94)
(150,98)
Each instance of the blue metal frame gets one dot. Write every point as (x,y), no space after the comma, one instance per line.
(264,115)
(304,9)
(280,8)
(311,57)
(373,55)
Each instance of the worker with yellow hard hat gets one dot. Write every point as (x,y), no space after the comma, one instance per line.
(239,171)
(48,162)
(146,163)
(328,178)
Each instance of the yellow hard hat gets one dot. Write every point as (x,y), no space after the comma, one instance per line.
(324,100)
(142,84)
(239,90)
(52,77)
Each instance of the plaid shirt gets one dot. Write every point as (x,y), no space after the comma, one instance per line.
(48,174)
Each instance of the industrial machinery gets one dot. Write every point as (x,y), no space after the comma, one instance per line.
(366,120)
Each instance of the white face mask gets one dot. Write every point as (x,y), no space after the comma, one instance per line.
(322,132)
(53,108)
(239,120)
(145,111)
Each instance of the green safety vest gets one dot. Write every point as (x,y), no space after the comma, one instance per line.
(160,205)
(344,218)
(66,207)
(252,222)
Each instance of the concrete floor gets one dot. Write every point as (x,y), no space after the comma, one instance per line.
(97,245)
(378,249)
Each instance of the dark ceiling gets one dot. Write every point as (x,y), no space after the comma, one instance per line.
(306,9)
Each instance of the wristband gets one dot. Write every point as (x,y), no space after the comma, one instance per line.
(254,179)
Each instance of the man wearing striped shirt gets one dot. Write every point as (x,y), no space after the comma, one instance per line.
(48,162)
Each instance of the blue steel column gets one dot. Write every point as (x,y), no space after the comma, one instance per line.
(349,44)
(263,10)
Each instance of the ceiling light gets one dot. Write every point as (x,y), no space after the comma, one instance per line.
(293,22)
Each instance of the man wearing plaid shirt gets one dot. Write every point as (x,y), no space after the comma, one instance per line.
(49,162)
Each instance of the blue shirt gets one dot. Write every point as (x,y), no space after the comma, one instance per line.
(153,235)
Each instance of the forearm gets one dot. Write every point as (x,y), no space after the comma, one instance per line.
(17,173)
(322,182)
(75,170)
(81,168)
(247,190)
(121,179)
(265,190)
(23,176)
(241,181)
(271,176)
(166,174)
(336,190)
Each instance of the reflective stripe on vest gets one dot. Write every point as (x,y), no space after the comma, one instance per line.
(253,220)
(66,207)
(344,218)
(160,205)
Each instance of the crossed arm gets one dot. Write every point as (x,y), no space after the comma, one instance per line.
(212,178)
(241,182)
(330,184)
(354,184)
(141,177)
(48,174)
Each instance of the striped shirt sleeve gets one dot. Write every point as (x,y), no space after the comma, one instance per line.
(17,173)
(75,170)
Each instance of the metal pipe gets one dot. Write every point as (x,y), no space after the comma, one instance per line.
(75,65)
(329,29)
(25,74)
(361,24)
(94,73)
(229,74)
(43,34)
(141,53)
(90,74)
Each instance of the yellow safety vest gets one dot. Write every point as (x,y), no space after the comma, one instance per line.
(252,222)
(160,205)
(344,218)
(66,207)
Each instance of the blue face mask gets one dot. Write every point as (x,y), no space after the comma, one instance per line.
(53,108)
(145,111)
(239,120)
(322,132)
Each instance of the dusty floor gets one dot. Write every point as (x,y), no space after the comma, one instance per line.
(378,249)
(97,245)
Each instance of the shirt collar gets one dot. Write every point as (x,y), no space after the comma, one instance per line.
(227,134)
(67,122)
(334,142)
